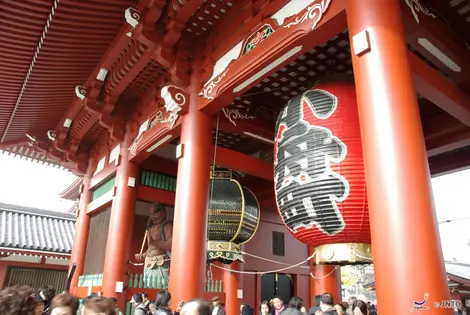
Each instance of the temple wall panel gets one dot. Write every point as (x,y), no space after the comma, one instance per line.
(97,239)
(262,245)
(4,265)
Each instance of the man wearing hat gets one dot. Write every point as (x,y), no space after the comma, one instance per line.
(217,308)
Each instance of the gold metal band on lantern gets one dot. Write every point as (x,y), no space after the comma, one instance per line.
(223,246)
(344,254)
(220,174)
(228,175)
(224,250)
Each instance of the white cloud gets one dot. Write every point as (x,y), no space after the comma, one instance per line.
(31,184)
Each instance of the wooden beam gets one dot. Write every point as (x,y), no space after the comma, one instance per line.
(247,164)
(285,44)
(444,133)
(445,164)
(250,126)
(150,194)
(426,28)
(432,85)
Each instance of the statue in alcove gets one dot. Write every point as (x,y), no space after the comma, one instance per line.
(157,257)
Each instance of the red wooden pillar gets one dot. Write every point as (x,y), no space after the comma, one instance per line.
(188,252)
(121,225)
(82,228)
(230,285)
(405,237)
(326,279)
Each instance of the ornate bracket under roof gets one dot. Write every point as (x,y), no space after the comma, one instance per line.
(133,17)
(165,121)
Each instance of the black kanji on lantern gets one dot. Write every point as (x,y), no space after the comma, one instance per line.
(306,188)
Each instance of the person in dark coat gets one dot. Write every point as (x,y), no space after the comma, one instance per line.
(295,304)
(217,308)
(327,304)
(247,310)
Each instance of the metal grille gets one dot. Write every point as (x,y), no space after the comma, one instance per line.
(96,246)
(36,278)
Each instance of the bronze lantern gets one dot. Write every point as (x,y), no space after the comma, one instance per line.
(233,217)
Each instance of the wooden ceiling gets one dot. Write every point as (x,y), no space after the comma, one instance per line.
(82,35)
(47,48)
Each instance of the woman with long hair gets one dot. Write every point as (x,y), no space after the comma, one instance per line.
(162,303)
(360,308)
(265,308)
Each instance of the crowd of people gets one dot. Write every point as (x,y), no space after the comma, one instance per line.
(323,305)
(23,300)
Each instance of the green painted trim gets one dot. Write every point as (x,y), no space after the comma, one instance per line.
(103,188)
(157,180)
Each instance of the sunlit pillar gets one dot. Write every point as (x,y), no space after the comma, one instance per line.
(406,247)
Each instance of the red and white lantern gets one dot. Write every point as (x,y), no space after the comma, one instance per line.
(320,183)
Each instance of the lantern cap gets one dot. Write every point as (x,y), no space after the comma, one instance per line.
(344,254)
(225,173)
(224,252)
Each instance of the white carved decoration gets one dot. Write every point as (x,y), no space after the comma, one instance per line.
(234,114)
(133,147)
(52,135)
(100,165)
(220,69)
(206,93)
(416,7)
(81,92)
(102,74)
(31,138)
(314,13)
(143,127)
(292,8)
(173,105)
(133,17)
(268,68)
(225,60)
(113,156)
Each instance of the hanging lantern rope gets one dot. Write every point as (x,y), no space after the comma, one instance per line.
(265,272)
(215,153)
(270,260)
(320,278)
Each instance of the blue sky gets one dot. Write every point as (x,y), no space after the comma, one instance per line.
(30,184)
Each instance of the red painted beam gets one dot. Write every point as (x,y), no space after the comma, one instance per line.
(114,50)
(285,44)
(244,163)
(444,133)
(107,172)
(252,127)
(445,164)
(424,29)
(150,194)
(432,85)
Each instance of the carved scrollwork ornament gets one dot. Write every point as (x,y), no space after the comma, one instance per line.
(206,93)
(175,100)
(133,17)
(416,7)
(51,134)
(314,12)
(235,114)
(81,92)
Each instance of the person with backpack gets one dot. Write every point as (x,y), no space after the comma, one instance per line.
(138,304)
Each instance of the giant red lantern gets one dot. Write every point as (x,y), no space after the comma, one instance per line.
(319,171)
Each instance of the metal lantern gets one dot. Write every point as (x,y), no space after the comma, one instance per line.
(320,182)
(233,217)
